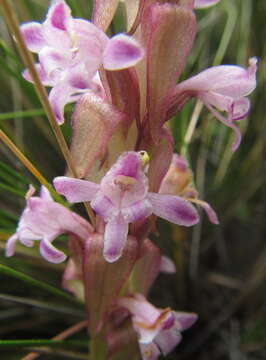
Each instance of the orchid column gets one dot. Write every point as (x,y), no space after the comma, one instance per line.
(125,90)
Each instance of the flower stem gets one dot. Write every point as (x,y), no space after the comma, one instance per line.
(63,335)
(98,348)
(192,126)
(26,162)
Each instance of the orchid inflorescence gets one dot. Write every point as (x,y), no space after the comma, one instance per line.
(125,89)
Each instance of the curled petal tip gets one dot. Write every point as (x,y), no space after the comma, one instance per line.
(186,319)
(50,253)
(10,245)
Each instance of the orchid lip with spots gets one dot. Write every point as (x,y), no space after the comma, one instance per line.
(122,197)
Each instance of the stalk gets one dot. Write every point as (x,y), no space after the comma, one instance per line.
(26,162)
(98,348)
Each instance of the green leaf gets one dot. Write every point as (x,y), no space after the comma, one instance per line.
(12,190)
(34,282)
(37,343)
(21,114)
(43,305)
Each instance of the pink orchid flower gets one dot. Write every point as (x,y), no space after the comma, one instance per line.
(122,197)
(205,3)
(159,330)
(71,51)
(224,88)
(44,220)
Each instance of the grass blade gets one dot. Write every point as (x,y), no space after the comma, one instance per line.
(34,282)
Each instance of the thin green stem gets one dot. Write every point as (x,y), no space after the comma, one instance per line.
(63,335)
(98,348)
(26,162)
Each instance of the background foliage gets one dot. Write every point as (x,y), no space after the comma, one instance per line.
(221,269)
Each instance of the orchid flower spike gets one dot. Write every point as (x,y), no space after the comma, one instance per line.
(122,197)
(43,219)
(222,88)
(159,330)
(200,4)
(71,51)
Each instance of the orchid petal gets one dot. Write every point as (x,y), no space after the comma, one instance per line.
(121,52)
(33,36)
(53,62)
(167,266)
(27,236)
(138,211)
(185,319)
(200,4)
(45,194)
(75,190)
(59,14)
(229,123)
(42,75)
(89,45)
(104,207)
(57,26)
(115,237)
(212,216)
(240,109)
(50,253)
(167,340)
(229,80)
(10,245)
(48,218)
(69,89)
(173,209)
(148,321)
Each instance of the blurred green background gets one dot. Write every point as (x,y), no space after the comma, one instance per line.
(221,269)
